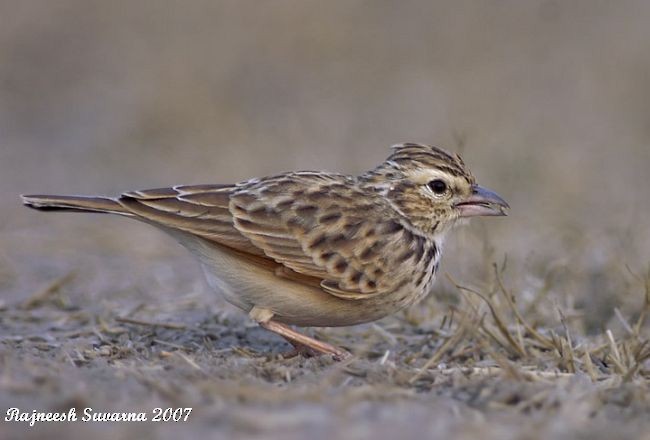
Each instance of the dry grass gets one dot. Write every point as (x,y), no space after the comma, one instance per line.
(485,362)
(546,100)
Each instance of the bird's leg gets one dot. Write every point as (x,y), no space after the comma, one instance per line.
(303,344)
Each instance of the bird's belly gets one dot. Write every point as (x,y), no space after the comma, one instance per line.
(245,285)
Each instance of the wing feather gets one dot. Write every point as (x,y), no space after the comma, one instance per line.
(202,210)
(314,228)
(318,226)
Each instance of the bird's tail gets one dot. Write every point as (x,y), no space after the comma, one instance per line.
(74,204)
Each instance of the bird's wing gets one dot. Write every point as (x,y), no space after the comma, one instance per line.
(202,210)
(324,226)
(318,229)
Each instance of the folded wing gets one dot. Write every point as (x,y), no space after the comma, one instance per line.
(321,229)
(324,226)
(201,210)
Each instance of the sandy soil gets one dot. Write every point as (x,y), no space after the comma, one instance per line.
(548,103)
(157,338)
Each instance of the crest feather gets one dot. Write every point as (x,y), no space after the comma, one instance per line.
(414,154)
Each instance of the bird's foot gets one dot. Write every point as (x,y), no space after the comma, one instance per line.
(303,344)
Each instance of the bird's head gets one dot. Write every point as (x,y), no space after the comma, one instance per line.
(432,188)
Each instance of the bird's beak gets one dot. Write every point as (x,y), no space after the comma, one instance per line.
(482,201)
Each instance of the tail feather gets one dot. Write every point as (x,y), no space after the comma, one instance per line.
(74,204)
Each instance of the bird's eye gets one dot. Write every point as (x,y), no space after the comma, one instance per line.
(438,186)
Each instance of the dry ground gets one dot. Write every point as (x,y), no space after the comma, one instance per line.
(118,333)
(537,327)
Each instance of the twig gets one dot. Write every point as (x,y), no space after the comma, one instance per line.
(623,321)
(456,337)
(151,324)
(388,337)
(493,371)
(384,358)
(170,344)
(572,364)
(503,329)
(42,295)
(515,310)
(589,366)
(189,361)
(616,356)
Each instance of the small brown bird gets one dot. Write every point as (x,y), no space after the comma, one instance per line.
(313,248)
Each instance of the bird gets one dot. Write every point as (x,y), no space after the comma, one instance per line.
(314,248)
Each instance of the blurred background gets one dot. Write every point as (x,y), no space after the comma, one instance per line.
(548,102)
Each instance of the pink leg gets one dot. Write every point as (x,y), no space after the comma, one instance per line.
(304,344)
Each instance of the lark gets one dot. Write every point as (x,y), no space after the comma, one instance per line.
(313,248)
